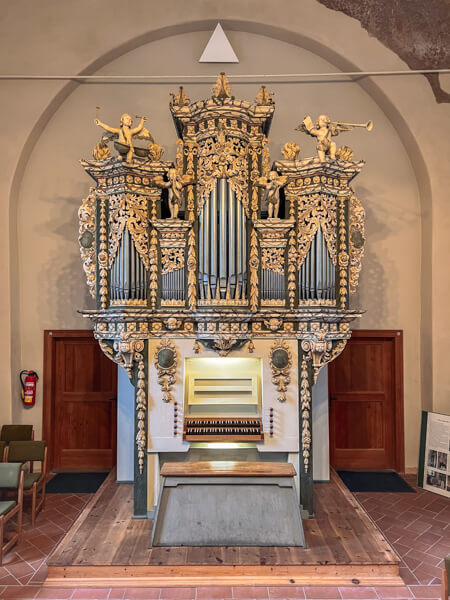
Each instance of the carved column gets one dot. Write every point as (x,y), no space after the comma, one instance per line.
(132,355)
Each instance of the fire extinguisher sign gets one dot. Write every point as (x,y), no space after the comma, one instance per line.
(28,381)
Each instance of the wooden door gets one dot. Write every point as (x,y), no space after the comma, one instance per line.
(80,389)
(366,402)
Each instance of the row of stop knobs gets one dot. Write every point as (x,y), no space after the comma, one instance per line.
(175,419)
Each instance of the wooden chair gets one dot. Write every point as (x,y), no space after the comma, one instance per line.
(31,451)
(11,477)
(445,578)
(16,433)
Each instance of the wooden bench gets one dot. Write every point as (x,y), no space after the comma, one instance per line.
(227,503)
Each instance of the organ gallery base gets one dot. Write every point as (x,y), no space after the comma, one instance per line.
(106,547)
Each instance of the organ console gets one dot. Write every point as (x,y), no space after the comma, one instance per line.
(224,309)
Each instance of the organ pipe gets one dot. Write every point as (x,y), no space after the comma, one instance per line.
(317,276)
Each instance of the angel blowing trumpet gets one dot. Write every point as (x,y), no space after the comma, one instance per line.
(324,130)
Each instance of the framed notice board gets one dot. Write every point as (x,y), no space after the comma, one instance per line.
(434,454)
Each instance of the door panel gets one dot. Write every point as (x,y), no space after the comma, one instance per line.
(363,412)
(83,404)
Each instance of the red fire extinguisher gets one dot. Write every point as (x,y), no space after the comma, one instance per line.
(29,387)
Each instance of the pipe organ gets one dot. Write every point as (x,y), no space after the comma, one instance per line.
(224,312)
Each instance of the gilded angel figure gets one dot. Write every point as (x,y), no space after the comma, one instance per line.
(272,185)
(175,185)
(323,131)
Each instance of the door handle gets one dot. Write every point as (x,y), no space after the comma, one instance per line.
(331,400)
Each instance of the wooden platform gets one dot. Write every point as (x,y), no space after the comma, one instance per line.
(106,547)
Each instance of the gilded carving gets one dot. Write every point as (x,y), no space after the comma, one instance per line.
(222,88)
(179,99)
(343,258)
(264,97)
(272,259)
(254,266)
(131,211)
(125,353)
(272,185)
(356,240)
(292,269)
(265,157)
(305,409)
(290,151)
(314,211)
(141,408)
(218,158)
(192,272)
(224,344)
(86,238)
(153,268)
(101,150)
(172,259)
(319,351)
(102,257)
(255,151)
(281,364)
(165,361)
(324,130)
(175,184)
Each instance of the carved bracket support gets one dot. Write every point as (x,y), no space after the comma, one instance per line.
(281,363)
(224,344)
(129,354)
(166,362)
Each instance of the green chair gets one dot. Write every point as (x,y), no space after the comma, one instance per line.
(2,451)
(30,452)
(11,477)
(445,578)
(16,433)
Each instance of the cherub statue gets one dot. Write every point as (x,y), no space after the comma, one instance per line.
(126,132)
(323,131)
(175,186)
(272,186)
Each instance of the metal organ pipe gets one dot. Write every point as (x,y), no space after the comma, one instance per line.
(317,274)
(231,241)
(213,242)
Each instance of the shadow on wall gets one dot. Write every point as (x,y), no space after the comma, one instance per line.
(374,275)
(64,280)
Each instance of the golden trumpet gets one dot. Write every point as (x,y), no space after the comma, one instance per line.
(368,125)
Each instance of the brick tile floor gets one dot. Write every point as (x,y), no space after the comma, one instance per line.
(417,525)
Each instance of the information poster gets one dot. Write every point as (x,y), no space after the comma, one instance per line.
(434,457)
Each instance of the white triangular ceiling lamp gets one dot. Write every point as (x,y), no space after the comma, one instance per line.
(218,49)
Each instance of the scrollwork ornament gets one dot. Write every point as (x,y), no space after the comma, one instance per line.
(166,358)
(314,211)
(172,259)
(86,238)
(281,364)
(272,259)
